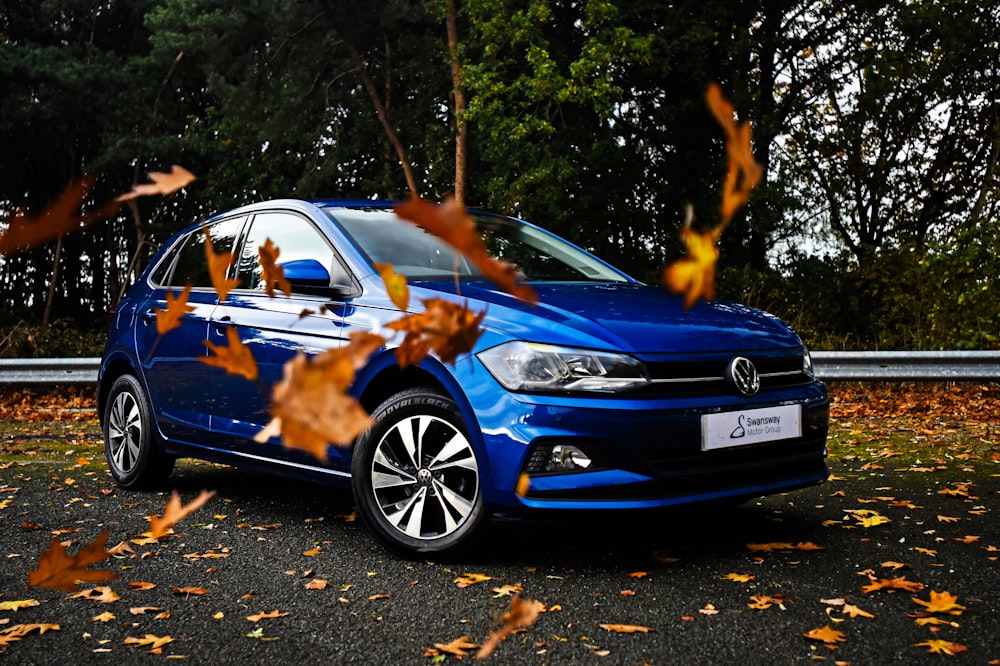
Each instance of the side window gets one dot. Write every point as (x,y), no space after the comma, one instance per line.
(295,238)
(191,264)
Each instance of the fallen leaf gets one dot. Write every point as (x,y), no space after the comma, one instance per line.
(827,635)
(940,646)
(150,640)
(893,584)
(57,570)
(190,591)
(458,647)
(317,584)
(626,628)
(18,631)
(174,513)
(102,593)
(467,579)
(106,616)
(739,578)
(266,616)
(236,359)
(941,602)
(163,183)
(18,604)
(177,306)
(854,611)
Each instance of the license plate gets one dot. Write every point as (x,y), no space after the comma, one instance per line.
(751,426)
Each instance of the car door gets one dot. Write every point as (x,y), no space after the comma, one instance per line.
(274,327)
(174,375)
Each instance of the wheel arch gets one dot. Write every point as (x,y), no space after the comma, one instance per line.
(113,368)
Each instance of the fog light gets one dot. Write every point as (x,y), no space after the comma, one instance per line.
(567,458)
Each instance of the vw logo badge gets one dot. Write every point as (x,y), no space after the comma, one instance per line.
(742,374)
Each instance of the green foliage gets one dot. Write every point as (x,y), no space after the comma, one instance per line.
(63,338)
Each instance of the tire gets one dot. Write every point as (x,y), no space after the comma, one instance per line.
(416,477)
(130,440)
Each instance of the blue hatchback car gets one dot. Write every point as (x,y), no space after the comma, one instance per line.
(608,395)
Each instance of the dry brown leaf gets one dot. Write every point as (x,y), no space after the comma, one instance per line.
(395,285)
(854,611)
(827,634)
(190,591)
(63,216)
(102,593)
(744,173)
(467,579)
(626,628)
(173,513)
(19,631)
(273,274)
(458,647)
(694,275)
(163,183)
(236,359)
(739,578)
(218,268)
(893,584)
(310,407)
(522,614)
(941,646)
(445,328)
(177,306)
(151,640)
(941,602)
(105,617)
(57,570)
(266,616)
(18,604)
(451,223)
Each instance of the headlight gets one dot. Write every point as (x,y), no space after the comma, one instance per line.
(527,366)
(807,362)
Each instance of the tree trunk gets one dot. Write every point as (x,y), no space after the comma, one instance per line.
(461,133)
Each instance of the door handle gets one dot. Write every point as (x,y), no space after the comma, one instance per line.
(222,323)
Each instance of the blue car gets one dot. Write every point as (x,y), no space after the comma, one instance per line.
(606,396)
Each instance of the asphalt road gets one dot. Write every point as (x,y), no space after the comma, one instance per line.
(261,540)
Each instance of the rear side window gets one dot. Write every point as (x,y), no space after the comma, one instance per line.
(189,263)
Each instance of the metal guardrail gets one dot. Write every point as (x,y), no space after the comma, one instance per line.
(876,366)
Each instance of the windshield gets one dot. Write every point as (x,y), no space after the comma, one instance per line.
(539,256)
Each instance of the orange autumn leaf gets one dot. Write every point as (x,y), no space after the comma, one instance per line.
(457,647)
(273,274)
(738,578)
(19,631)
(103,593)
(827,634)
(893,584)
(173,513)
(467,579)
(451,223)
(522,614)
(310,406)
(58,571)
(941,602)
(163,183)
(395,285)
(218,268)
(235,359)
(854,611)
(941,646)
(177,306)
(257,617)
(445,328)
(694,275)
(195,591)
(523,485)
(17,604)
(626,628)
(153,641)
(62,216)
(744,173)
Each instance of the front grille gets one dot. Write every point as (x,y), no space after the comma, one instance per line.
(708,377)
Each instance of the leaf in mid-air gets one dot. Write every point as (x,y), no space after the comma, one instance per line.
(450,222)
(743,173)
(163,183)
(310,406)
(395,286)
(218,268)
(177,306)
(522,613)
(235,359)
(694,275)
(174,512)
(446,328)
(272,274)
(57,570)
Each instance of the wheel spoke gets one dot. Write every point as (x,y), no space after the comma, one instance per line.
(414,508)
(452,500)
(457,444)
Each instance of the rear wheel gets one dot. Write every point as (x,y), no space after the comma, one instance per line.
(416,476)
(134,459)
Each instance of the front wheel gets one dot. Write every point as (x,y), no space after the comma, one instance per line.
(130,447)
(416,477)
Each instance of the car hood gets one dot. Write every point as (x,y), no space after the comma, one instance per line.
(628,317)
